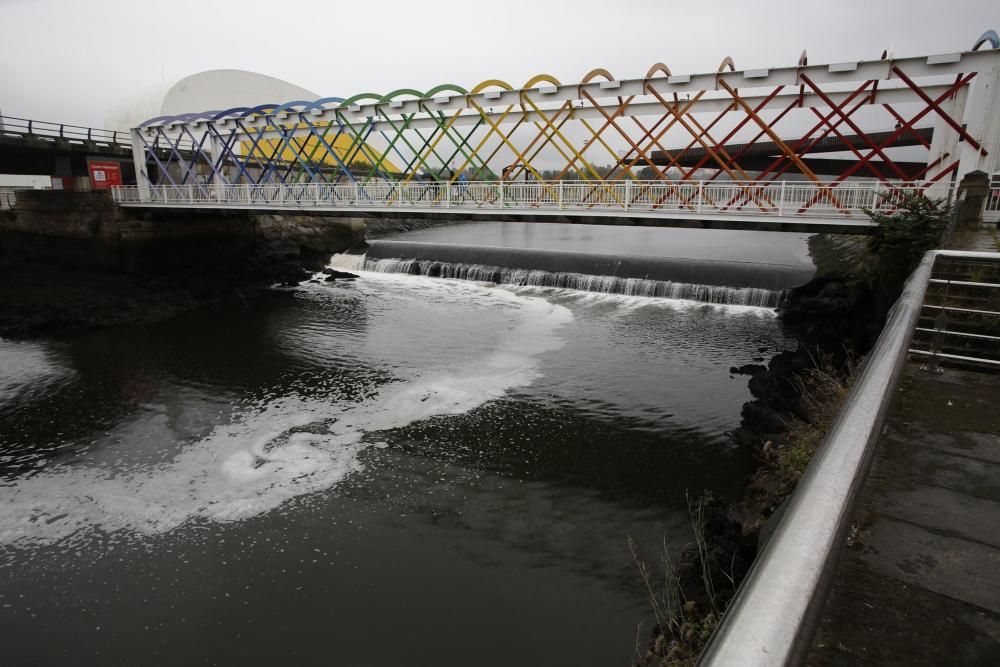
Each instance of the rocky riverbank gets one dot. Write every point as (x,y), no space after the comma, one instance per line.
(70,259)
(39,298)
(836,317)
(150,270)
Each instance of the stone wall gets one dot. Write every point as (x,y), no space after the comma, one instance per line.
(86,230)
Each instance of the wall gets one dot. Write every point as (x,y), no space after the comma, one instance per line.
(86,230)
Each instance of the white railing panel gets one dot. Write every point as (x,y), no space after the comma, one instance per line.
(848,200)
(992,212)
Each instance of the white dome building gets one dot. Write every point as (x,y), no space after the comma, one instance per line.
(217,89)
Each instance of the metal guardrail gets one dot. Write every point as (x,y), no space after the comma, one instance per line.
(781,198)
(773,620)
(38,129)
(943,332)
(992,212)
(7,200)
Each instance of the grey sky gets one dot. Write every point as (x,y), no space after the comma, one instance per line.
(69,61)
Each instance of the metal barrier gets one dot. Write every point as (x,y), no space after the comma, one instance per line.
(774,617)
(39,129)
(947,329)
(770,198)
(7,200)
(992,212)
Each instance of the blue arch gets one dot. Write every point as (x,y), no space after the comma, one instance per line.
(230,112)
(988,36)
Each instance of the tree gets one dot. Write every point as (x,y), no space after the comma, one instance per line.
(903,236)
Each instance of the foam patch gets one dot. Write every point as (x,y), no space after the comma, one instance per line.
(281,448)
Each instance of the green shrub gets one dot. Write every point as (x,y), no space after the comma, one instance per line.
(903,236)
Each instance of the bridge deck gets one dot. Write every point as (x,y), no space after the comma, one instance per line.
(806,207)
(730,221)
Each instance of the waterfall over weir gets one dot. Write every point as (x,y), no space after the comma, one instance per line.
(709,281)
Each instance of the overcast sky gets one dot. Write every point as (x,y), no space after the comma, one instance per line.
(70,60)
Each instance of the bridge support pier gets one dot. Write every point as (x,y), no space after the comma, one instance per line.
(971,203)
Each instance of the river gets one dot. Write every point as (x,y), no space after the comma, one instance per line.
(399,469)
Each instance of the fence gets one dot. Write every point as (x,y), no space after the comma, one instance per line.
(37,129)
(992,212)
(774,198)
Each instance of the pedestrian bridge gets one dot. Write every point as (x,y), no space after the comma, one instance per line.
(789,205)
(801,143)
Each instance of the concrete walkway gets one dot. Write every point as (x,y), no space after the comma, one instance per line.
(919,584)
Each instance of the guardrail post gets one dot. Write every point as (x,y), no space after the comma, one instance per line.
(316,190)
(281,194)
(628,192)
(560,194)
(875,195)
(701,185)
(781,200)
(357,194)
(501,193)
(190,193)
(139,160)
(447,194)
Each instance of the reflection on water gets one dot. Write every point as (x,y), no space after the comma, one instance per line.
(778,248)
(393,470)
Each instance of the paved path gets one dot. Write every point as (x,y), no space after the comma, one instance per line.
(920,582)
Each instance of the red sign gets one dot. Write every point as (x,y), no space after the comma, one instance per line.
(104,174)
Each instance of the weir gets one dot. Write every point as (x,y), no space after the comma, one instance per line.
(705,280)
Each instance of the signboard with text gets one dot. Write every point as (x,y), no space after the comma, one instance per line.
(104,174)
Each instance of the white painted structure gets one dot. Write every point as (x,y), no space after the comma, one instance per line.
(782,201)
(958,92)
(212,89)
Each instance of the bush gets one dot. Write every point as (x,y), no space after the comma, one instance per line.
(902,237)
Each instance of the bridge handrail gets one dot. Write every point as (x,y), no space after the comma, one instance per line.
(74,133)
(772,198)
(773,620)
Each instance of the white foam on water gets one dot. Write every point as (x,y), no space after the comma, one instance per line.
(627,302)
(27,366)
(602,284)
(347,262)
(278,449)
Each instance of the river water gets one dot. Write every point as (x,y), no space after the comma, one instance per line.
(399,469)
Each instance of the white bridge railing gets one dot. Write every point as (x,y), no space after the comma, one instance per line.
(992,212)
(781,198)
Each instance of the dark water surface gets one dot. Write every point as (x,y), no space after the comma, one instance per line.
(398,470)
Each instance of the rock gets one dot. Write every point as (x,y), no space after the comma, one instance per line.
(727,556)
(747,369)
(290,274)
(333,274)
